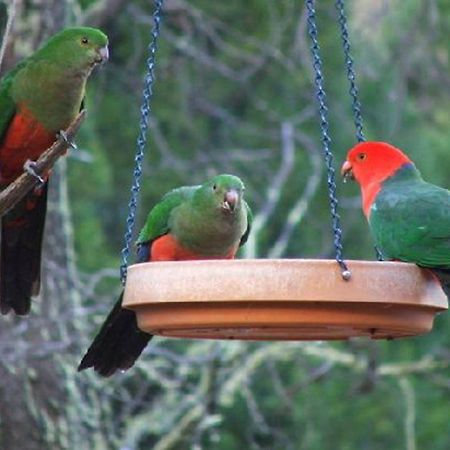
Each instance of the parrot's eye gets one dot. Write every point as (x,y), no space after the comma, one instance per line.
(84,40)
(214,187)
(362,156)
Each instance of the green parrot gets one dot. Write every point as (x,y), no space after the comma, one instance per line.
(38,98)
(408,217)
(210,221)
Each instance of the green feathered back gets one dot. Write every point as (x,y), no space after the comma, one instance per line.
(157,223)
(410,220)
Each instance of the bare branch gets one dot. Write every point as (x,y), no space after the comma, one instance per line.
(426,364)
(274,191)
(256,414)
(193,415)
(410,417)
(300,208)
(8,27)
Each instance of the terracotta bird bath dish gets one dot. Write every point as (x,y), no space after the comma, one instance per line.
(285,299)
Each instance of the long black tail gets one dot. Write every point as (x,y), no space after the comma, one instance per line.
(118,343)
(444,278)
(22,232)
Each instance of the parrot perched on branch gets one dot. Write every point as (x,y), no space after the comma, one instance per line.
(39,98)
(210,221)
(408,217)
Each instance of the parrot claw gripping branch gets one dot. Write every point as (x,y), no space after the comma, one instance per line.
(34,171)
(189,299)
(30,168)
(62,135)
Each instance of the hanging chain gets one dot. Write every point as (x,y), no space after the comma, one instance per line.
(351,76)
(141,139)
(356,104)
(326,140)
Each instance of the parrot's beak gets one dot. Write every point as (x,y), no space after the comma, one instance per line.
(346,171)
(103,55)
(230,200)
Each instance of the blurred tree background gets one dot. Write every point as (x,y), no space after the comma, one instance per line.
(233,94)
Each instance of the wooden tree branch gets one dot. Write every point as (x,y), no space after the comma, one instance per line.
(25,182)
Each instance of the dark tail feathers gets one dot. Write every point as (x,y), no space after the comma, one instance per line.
(21,244)
(444,278)
(118,343)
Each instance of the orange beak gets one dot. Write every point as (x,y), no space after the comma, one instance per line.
(346,171)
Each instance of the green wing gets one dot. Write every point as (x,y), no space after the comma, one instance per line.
(7,105)
(157,223)
(249,225)
(411,222)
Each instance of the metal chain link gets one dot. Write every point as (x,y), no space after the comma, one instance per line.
(326,140)
(351,76)
(141,139)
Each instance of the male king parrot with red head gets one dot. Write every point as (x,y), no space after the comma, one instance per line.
(38,98)
(408,217)
(210,221)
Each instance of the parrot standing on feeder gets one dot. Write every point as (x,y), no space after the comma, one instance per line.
(408,217)
(39,98)
(210,221)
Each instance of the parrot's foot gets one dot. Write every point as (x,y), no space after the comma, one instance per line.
(379,255)
(61,135)
(30,168)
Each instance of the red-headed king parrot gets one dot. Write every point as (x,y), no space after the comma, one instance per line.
(408,217)
(210,221)
(38,98)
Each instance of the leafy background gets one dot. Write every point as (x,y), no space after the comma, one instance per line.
(233,94)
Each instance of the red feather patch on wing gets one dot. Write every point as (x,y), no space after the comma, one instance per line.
(25,139)
(167,248)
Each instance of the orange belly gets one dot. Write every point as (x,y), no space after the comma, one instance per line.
(24,139)
(167,248)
